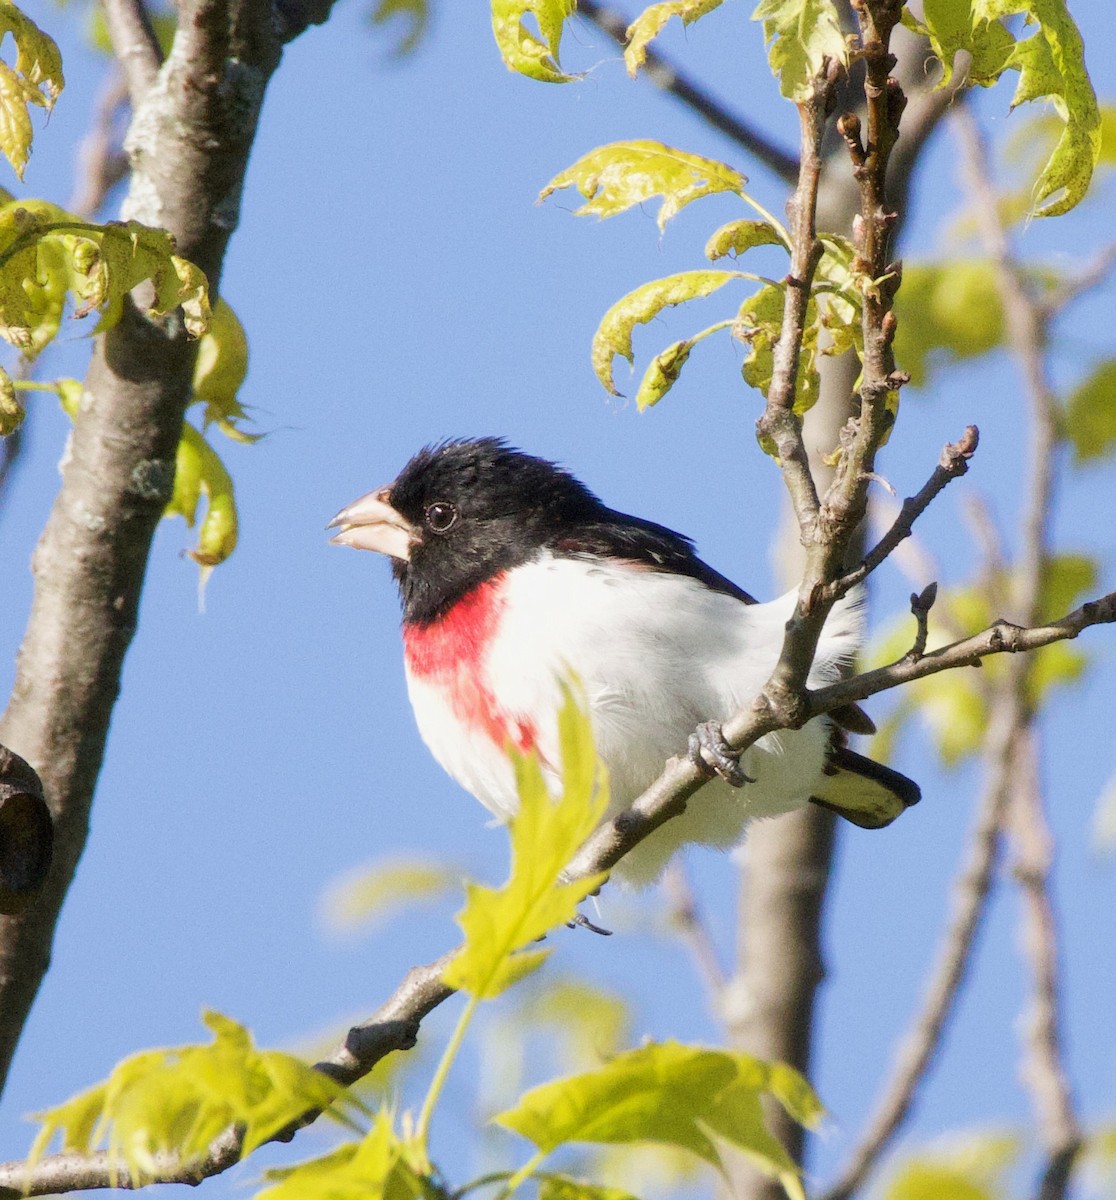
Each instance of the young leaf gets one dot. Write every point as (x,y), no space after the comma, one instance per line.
(562,1187)
(950,26)
(758,325)
(36,78)
(545,835)
(614,334)
(800,34)
(379,1167)
(649,24)
(367,897)
(11,411)
(221,366)
(413,17)
(1089,423)
(520,49)
(662,373)
(948,310)
(685,1096)
(198,472)
(176,1101)
(616,177)
(738,236)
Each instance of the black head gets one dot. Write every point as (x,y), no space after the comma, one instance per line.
(461,512)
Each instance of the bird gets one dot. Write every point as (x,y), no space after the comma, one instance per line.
(514,576)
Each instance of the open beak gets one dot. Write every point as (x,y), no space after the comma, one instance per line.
(371,523)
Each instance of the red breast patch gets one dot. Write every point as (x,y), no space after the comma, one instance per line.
(450,653)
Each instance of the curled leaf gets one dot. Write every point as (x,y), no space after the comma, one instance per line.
(219,371)
(616,177)
(11,411)
(521,50)
(35,78)
(801,35)
(759,324)
(662,374)
(649,24)
(738,236)
(614,334)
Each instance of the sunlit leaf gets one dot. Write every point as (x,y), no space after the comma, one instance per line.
(614,334)
(219,372)
(1089,422)
(649,24)
(950,27)
(378,1167)
(562,1187)
(947,311)
(176,1101)
(800,34)
(972,1169)
(411,17)
(616,177)
(685,1096)
(371,895)
(35,78)
(521,50)
(588,1023)
(12,411)
(758,324)
(545,834)
(738,236)
(662,374)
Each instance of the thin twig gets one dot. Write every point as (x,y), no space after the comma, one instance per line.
(921,604)
(135,45)
(685,918)
(1073,288)
(670,79)
(102,163)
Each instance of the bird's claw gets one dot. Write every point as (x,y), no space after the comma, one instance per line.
(581,921)
(712,755)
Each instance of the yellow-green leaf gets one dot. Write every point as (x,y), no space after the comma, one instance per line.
(521,50)
(614,334)
(649,24)
(1089,423)
(412,17)
(562,1187)
(950,26)
(972,1169)
(199,471)
(35,78)
(738,236)
(616,177)
(176,1101)
(545,834)
(758,324)
(379,1167)
(11,411)
(948,311)
(800,35)
(686,1096)
(219,371)
(369,896)
(662,374)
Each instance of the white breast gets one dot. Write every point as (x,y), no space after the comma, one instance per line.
(656,654)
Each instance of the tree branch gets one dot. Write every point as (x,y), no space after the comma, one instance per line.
(670,79)
(686,920)
(135,45)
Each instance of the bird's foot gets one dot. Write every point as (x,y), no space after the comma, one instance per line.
(581,921)
(712,755)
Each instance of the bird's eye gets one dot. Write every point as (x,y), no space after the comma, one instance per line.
(441,517)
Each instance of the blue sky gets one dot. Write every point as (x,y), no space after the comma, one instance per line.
(399,285)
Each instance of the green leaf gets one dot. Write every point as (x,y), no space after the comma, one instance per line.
(521,50)
(176,1101)
(412,17)
(200,472)
(545,835)
(685,1096)
(36,78)
(219,372)
(11,411)
(614,334)
(800,34)
(562,1187)
(738,236)
(973,1169)
(586,1022)
(947,311)
(840,308)
(758,324)
(368,897)
(950,26)
(616,177)
(379,1167)
(662,373)
(1089,422)
(649,24)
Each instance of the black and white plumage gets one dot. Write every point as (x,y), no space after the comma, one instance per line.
(513,574)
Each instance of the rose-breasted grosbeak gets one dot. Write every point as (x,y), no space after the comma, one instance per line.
(513,575)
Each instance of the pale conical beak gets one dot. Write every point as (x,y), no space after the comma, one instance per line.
(371,523)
